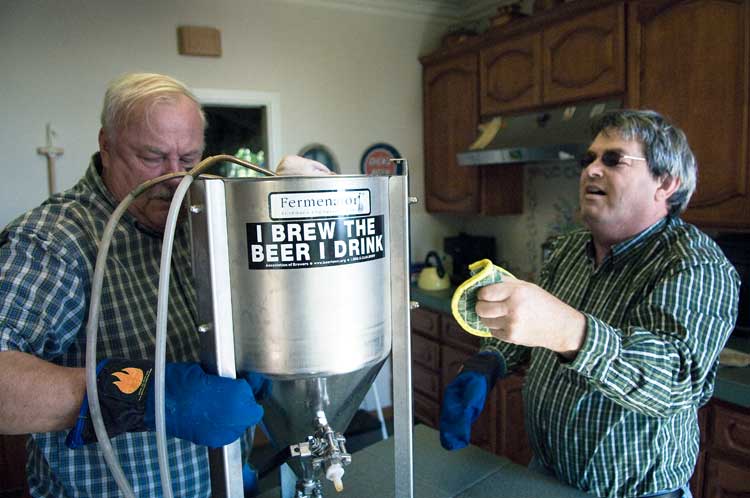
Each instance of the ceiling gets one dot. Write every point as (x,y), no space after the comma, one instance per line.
(446,11)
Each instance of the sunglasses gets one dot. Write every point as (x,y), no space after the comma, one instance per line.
(609,158)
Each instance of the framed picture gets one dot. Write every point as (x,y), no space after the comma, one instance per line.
(377,160)
(322,154)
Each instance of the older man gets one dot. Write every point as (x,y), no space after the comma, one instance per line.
(151,125)
(622,335)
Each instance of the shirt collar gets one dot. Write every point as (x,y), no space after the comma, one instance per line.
(632,244)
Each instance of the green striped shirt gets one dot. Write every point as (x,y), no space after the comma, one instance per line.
(620,420)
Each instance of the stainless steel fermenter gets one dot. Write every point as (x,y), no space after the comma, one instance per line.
(304,280)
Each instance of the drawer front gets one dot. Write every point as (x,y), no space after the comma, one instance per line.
(426,381)
(454,335)
(425,352)
(425,322)
(731,430)
(426,410)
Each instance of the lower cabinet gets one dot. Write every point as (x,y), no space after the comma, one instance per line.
(725,462)
(439,348)
(12,467)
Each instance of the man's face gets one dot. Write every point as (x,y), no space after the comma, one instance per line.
(163,138)
(619,201)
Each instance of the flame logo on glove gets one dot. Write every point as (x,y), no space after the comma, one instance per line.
(129,379)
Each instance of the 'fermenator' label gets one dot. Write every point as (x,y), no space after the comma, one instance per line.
(316,238)
(318,204)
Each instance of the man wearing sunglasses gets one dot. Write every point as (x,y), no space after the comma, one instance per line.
(623,333)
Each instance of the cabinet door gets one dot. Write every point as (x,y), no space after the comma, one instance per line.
(450,125)
(726,478)
(696,482)
(426,322)
(689,61)
(512,440)
(13,466)
(584,57)
(731,430)
(511,75)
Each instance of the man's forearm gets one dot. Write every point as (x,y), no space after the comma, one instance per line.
(38,396)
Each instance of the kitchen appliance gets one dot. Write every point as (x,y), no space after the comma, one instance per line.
(302,279)
(736,247)
(548,136)
(465,249)
(305,280)
(433,276)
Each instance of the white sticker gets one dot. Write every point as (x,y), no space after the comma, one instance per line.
(321,204)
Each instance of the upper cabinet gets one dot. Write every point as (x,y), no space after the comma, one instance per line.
(451,117)
(450,125)
(689,60)
(511,75)
(577,58)
(584,57)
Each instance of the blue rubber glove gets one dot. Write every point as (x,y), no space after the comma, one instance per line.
(206,409)
(465,396)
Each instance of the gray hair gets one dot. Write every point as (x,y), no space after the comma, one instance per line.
(126,93)
(664,144)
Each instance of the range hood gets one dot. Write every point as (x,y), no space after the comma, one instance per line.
(551,135)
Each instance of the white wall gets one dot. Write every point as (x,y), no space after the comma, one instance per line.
(346,78)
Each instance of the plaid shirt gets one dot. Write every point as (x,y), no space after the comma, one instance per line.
(47,259)
(620,420)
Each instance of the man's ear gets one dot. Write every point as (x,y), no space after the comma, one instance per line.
(104,146)
(669,184)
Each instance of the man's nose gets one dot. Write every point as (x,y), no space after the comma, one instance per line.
(172,165)
(594,169)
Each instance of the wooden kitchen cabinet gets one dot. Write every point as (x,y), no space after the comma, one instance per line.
(576,55)
(13,467)
(584,57)
(723,466)
(727,464)
(451,117)
(439,348)
(450,126)
(578,58)
(689,60)
(511,75)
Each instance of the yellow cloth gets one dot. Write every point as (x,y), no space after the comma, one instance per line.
(464,301)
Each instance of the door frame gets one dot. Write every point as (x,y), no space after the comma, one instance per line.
(271,101)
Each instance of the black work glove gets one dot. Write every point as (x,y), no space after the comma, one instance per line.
(206,409)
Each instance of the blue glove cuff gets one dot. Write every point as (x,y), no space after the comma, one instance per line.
(488,363)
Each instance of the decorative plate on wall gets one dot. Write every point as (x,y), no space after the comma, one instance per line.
(322,154)
(377,160)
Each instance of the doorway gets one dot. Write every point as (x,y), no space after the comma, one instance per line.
(243,124)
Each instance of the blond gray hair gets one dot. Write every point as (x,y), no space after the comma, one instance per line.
(131,90)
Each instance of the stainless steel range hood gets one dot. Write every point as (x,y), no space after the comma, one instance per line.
(552,135)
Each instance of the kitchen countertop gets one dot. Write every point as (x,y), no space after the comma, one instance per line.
(732,383)
(438,473)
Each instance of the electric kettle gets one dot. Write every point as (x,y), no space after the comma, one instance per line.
(433,276)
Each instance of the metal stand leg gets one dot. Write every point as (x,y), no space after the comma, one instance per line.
(288,481)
